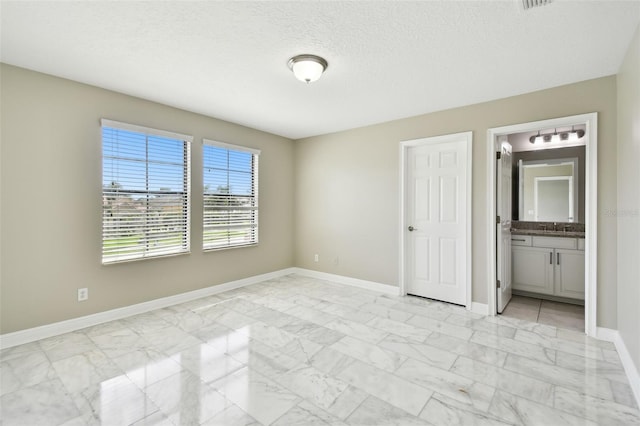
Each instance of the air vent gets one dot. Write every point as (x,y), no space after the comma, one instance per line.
(528,4)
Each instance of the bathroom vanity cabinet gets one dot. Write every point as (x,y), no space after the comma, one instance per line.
(548,265)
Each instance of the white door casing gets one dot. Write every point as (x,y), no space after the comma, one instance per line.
(436,218)
(503,237)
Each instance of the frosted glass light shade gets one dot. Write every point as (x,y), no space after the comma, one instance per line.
(536,140)
(307,68)
(575,135)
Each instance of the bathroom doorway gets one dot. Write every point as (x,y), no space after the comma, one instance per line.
(546,248)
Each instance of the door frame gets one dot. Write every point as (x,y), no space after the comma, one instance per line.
(404,149)
(590,120)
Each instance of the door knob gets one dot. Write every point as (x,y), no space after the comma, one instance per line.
(411,229)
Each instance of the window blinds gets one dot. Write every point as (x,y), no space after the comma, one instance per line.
(230,196)
(145,192)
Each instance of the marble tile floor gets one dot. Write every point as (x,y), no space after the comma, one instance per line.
(562,315)
(301,351)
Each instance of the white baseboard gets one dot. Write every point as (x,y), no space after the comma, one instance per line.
(355,282)
(479,308)
(625,357)
(9,340)
(606,334)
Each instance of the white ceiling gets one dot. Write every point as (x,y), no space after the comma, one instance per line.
(387,60)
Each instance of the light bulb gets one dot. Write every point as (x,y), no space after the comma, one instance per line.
(307,71)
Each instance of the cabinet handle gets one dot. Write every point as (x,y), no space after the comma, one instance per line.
(558,257)
(516,239)
(550,258)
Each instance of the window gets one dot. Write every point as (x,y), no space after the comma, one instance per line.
(230,178)
(145,192)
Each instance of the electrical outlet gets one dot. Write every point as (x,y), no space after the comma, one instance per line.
(316,258)
(336,261)
(83,294)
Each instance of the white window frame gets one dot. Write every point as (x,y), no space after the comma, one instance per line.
(208,223)
(150,244)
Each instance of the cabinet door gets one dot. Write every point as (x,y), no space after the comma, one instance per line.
(532,269)
(569,273)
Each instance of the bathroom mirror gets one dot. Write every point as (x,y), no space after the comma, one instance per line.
(548,190)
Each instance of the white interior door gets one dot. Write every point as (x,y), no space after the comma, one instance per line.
(503,237)
(437,213)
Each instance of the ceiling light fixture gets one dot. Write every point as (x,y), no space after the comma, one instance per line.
(308,68)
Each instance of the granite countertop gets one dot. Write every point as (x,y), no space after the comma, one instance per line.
(547,233)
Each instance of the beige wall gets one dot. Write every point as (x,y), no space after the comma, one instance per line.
(347,186)
(628,211)
(51,203)
(346,196)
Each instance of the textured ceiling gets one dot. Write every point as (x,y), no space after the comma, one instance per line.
(387,60)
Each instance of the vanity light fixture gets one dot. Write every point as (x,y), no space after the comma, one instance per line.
(570,136)
(528,4)
(307,68)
